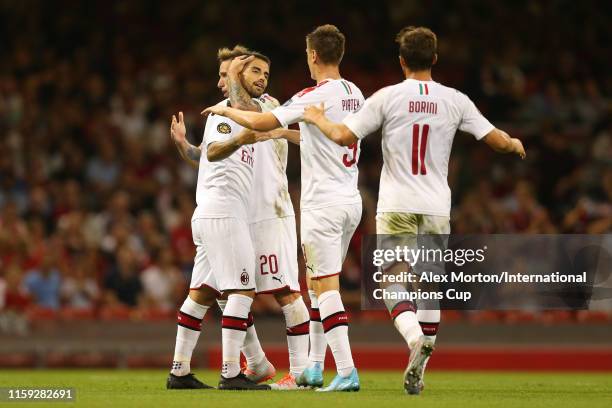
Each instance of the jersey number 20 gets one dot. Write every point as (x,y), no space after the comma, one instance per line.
(271,262)
(419,146)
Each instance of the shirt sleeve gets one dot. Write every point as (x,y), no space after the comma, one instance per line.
(370,117)
(267,102)
(292,111)
(473,121)
(217,129)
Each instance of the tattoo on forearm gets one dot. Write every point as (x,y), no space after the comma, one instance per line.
(193,153)
(239,97)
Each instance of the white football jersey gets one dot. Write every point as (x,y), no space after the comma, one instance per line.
(419,120)
(224,187)
(270,196)
(329,171)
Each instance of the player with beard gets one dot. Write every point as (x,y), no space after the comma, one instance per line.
(330,201)
(224,254)
(272,221)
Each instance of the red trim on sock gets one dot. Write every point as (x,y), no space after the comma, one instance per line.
(234,323)
(250,320)
(401,307)
(429,329)
(300,329)
(315,315)
(190,322)
(334,320)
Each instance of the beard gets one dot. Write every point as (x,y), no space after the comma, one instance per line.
(255,91)
(252,90)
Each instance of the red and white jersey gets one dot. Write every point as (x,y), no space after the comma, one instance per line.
(329,171)
(270,196)
(419,120)
(224,187)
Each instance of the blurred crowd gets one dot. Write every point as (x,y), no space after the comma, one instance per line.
(95,203)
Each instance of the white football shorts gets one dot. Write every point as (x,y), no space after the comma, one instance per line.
(326,234)
(224,254)
(275,246)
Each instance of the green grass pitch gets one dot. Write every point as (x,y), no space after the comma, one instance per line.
(145,388)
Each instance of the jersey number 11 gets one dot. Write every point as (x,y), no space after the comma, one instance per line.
(419,146)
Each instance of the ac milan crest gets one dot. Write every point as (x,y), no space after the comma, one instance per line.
(244,277)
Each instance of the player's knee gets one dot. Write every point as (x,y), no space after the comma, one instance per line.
(203,296)
(326,284)
(249,293)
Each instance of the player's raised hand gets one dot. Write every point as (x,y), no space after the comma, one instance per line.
(177,128)
(216,109)
(312,113)
(238,63)
(518,148)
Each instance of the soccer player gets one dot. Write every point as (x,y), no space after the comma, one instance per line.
(225,257)
(330,200)
(272,223)
(419,118)
(273,230)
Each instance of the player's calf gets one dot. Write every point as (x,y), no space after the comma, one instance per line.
(189,326)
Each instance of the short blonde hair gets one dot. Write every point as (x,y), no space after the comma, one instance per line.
(225,53)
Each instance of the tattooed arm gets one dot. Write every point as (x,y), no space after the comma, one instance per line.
(238,96)
(190,153)
(221,150)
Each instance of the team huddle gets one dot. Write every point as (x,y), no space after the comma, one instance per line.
(244,224)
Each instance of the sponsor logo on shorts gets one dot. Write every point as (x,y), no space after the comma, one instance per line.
(244,277)
(224,128)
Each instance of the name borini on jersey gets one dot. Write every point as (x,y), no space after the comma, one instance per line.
(423,107)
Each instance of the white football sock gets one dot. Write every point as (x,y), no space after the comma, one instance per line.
(233,332)
(429,321)
(297,321)
(251,348)
(335,325)
(403,313)
(318,344)
(189,325)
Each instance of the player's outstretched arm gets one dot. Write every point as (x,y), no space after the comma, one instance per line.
(221,150)
(501,142)
(281,133)
(238,96)
(336,132)
(251,120)
(190,153)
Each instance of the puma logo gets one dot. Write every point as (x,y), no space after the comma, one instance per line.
(278,279)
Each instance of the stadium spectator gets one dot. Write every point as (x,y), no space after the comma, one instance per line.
(79,289)
(162,282)
(43,283)
(122,282)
